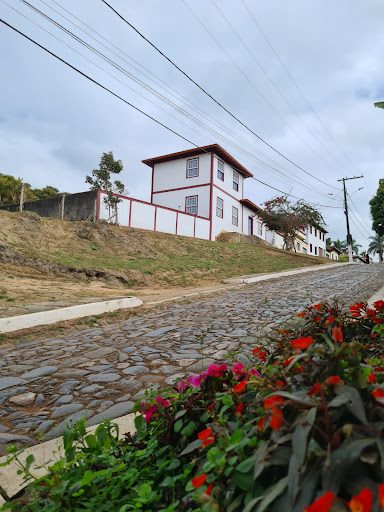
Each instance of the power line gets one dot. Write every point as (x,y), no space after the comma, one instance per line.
(357,211)
(275,86)
(209,95)
(296,85)
(131,105)
(119,68)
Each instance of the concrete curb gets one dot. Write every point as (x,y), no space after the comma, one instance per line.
(45,453)
(379,295)
(16,323)
(248,280)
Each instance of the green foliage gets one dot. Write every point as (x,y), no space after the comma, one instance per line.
(101,180)
(287,218)
(306,419)
(10,190)
(376,246)
(377,209)
(340,245)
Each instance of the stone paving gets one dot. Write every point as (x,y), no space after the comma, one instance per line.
(99,373)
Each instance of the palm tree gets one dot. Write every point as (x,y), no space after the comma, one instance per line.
(355,246)
(377,245)
(340,245)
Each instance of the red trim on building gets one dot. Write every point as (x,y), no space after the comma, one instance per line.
(177,220)
(98,204)
(211,200)
(198,168)
(224,192)
(234,208)
(218,177)
(197,205)
(130,213)
(153,171)
(181,188)
(250,205)
(154,224)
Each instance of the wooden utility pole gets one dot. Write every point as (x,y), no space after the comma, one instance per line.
(22,197)
(349,236)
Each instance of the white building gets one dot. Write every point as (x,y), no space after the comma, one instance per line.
(200,193)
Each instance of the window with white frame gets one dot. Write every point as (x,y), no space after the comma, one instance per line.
(260,228)
(219,207)
(304,250)
(235,216)
(192,168)
(235,181)
(220,170)
(191,205)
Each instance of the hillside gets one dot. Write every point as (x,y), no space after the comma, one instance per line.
(106,260)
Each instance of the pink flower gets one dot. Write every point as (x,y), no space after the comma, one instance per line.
(149,411)
(238,369)
(253,372)
(195,380)
(182,385)
(216,371)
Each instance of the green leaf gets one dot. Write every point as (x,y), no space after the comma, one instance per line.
(178,426)
(295,398)
(300,435)
(91,441)
(166,482)
(140,424)
(297,358)
(246,465)
(180,414)
(174,464)
(189,429)
(243,480)
(271,494)
(354,403)
(191,447)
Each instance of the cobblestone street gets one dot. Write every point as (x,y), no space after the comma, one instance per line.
(100,373)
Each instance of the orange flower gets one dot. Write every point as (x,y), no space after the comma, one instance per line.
(361,502)
(318,318)
(277,418)
(210,440)
(204,434)
(378,321)
(256,350)
(287,361)
(273,401)
(239,409)
(300,315)
(318,306)
(337,334)
(262,355)
(371,378)
(381,495)
(283,331)
(370,312)
(260,424)
(280,383)
(330,320)
(302,342)
(239,388)
(199,480)
(314,389)
(209,489)
(331,381)
(379,305)
(323,504)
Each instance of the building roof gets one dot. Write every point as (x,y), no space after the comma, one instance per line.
(212,148)
(252,206)
(331,248)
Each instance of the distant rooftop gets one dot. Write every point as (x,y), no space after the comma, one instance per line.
(212,148)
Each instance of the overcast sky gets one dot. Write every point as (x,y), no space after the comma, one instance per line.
(55,124)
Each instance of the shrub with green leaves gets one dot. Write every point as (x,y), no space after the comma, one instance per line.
(301,430)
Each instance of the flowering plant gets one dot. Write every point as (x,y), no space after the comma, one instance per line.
(301,430)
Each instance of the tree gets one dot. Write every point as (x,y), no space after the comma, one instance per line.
(101,180)
(340,245)
(376,246)
(46,192)
(328,241)
(355,246)
(377,209)
(287,218)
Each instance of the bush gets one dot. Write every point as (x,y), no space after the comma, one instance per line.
(299,431)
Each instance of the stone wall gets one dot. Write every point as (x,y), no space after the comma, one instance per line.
(81,206)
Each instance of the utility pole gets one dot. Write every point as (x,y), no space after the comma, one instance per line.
(349,236)
(22,197)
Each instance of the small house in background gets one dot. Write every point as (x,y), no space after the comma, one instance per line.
(333,253)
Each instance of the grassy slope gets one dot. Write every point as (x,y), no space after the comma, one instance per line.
(161,258)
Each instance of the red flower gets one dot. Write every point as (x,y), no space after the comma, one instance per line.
(302,343)
(260,424)
(239,388)
(283,331)
(378,394)
(323,504)
(208,441)
(216,371)
(381,494)
(204,434)
(371,378)
(277,418)
(370,312)
(337,334)
(379,305)
(273,401)
(199,480)
(209,489)
(318,306)
(314,389)
(262,355)
(256,350)
(379,369)
(330,320)
(378,321)
(288,361)
(318,318)
(238,369)
(211,407)
(361,502)
(300,315)
(280,383)
(239,409)
(331,381)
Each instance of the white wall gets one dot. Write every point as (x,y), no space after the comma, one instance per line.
(225,224)
(316,241)
(227,184)
(173,174)
(176,199)
(166,221)
(202,228)
(255,221)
